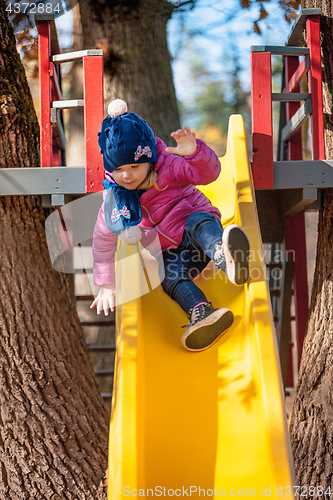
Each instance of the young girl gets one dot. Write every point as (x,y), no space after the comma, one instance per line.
(155,188)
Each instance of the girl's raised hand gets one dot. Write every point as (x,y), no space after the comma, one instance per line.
(105,299)
(186,143)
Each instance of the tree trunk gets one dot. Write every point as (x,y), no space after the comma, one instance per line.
(312,418)
(53,425)
(137,66)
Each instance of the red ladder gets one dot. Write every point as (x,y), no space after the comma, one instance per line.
(52,137)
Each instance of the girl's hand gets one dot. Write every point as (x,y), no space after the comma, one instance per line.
(186,143)
(105,298)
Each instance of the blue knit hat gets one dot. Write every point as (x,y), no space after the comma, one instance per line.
(125,138)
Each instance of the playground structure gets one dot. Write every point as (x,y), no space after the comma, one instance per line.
(52,181)
(214,419)
(289,186)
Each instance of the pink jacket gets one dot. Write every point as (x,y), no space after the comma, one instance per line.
(166,209)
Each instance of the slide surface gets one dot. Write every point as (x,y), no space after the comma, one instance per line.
(199,424)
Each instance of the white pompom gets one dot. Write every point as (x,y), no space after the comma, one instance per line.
(117,107)
(131,235)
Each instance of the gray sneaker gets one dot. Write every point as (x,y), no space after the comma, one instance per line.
(206,326)
(232,254)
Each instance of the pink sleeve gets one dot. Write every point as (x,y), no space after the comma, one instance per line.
(202,167)
(104,248)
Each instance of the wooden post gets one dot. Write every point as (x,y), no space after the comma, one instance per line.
(93,117)
(315,87)
(295,243)
(44,94)
(261,112)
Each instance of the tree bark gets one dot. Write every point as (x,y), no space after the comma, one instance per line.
(53,424)
(312,418)
(137,66)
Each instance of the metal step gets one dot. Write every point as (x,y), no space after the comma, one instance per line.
(296,120)
(274,265)
(303,174)
(288,97)
(39,181)
(98,323)
(88,316)
(71,56)
(104,372)
(106,395)
(295,36)
(69,103)
(282,50)
(101,347)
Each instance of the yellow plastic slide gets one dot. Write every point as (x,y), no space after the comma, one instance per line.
(207,424)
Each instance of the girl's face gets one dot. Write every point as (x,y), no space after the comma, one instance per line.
(130,176)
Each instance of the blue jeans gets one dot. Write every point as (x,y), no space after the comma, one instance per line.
(182,264)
